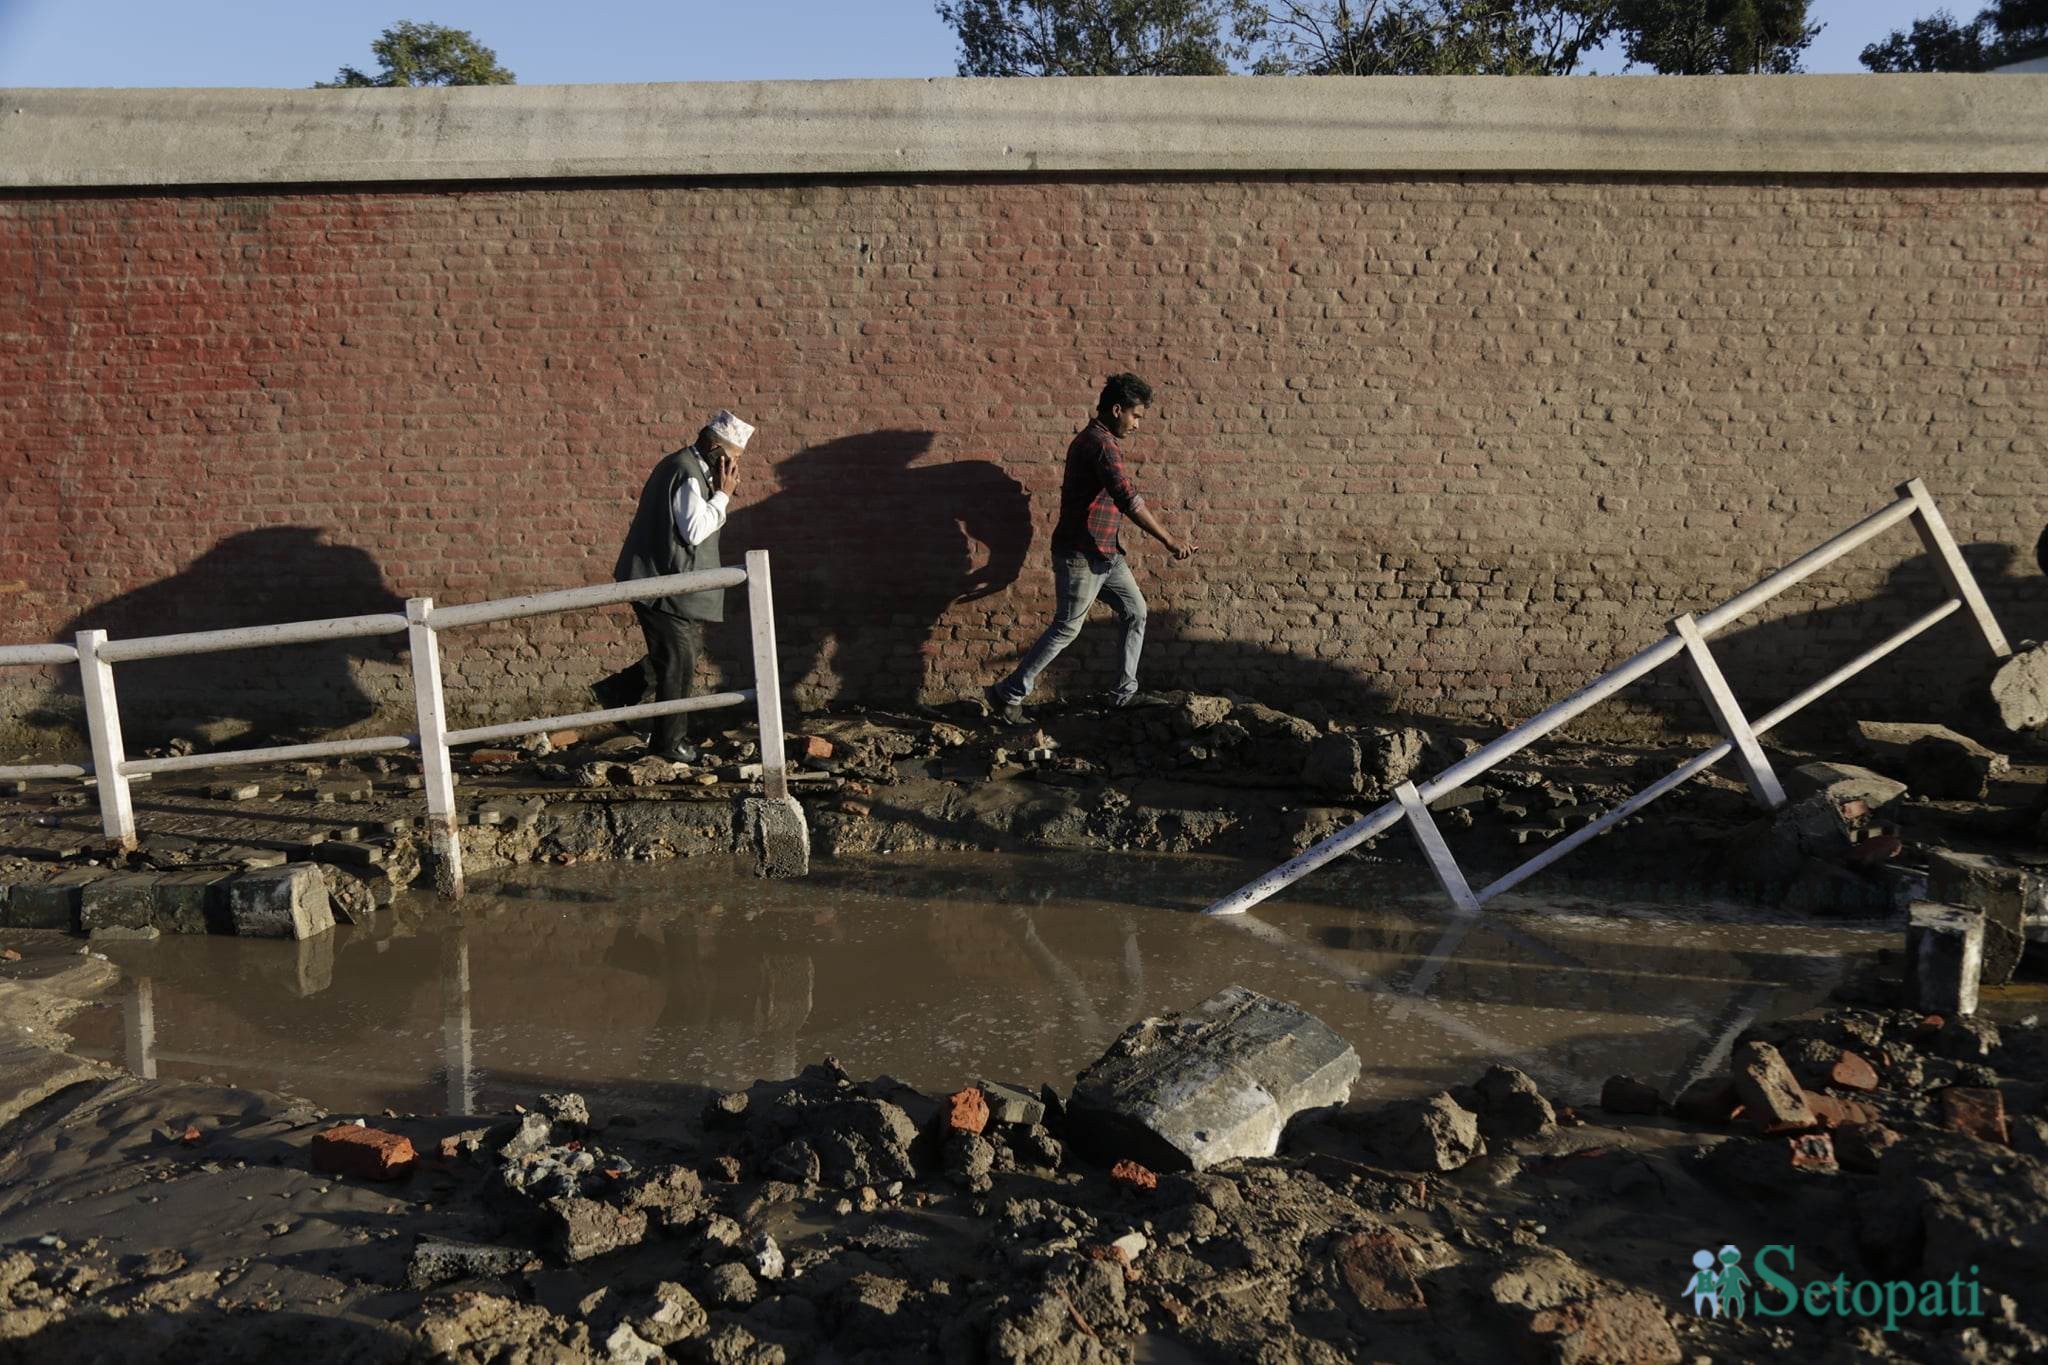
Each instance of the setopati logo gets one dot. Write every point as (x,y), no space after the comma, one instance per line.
(1721,1288)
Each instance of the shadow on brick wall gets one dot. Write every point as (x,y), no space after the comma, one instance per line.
(869,550)
(255,578)
(1767,663)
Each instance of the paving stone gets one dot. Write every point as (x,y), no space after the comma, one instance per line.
(1216,1083)
(125,900)
(281,902)
(49,905)
(2007,895)
(1944,957)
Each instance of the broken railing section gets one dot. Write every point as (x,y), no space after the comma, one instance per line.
(1688,638)
(775,818)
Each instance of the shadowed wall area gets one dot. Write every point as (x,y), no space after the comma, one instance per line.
(1458,440)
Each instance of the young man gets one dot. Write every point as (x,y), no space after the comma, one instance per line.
(675,531)
(1087,555)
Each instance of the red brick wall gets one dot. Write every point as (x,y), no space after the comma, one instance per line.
(1451,445)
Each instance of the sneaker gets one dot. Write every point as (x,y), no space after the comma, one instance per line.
(1141,699)
(1009,712)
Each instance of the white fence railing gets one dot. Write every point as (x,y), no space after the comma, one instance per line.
(422,623)
(1688,639)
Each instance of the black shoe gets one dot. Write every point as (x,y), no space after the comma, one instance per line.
(608,700)
(1139,700)
(686,754)
(1009,712)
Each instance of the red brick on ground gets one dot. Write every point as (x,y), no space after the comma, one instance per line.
(1975,1111)
(1851,1072)
(479,757)
(965,1111)
(812,746)
(367,1153)
(1133,1176)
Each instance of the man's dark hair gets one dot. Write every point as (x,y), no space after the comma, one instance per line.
(1124,391)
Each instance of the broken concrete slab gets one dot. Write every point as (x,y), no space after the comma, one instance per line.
(1011,1104)
(1944,957)
(1934,760)
(1843,783)
(2019,690)
(48,905)
(1771,1095)
(280,902)
(440,1260)
(1216,1083)
(2006,894)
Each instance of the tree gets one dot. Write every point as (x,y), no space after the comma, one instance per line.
(2008,31)
(1715,37)
(424,54)
(1097,37)
(1431,37)
(1936,43)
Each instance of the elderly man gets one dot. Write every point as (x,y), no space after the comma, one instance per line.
(1087,550)
(675,531)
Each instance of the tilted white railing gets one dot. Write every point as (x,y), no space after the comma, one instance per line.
(1688,639)
(422,623)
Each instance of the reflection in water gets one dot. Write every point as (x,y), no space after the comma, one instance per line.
(629,982)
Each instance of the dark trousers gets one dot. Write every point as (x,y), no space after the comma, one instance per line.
(668,669)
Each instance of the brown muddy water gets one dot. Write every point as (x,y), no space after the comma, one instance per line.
(625,981)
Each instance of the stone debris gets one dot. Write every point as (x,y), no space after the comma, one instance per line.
(1770,1095)
(440,1260)
(1217,1083)
(282,902)
(1944,957)
(1435,1133)
(1627,1095)
(2019,690)
(2007,896)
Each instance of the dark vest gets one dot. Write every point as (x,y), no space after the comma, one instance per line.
(654,549)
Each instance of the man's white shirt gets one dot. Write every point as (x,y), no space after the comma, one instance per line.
(696,517)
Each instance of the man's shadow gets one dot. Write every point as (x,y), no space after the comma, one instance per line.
(866,545)
(254,578)
(1767,663)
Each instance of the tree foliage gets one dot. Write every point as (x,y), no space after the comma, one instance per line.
(1096,37)
(1373,37)
(1715,37)
(2007,31)
(424,54)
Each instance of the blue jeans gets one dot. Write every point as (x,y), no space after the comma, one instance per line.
(1081,578)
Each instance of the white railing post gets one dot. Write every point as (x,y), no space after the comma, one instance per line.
(103,720)
(1448,874)
(767,676)
(436,772)
(1948,562)
(1727,713)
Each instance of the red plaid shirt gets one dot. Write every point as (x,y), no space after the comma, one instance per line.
(1095,496)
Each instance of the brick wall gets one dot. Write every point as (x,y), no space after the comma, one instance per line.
(1451,444)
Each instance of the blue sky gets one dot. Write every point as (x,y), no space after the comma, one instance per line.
(294,43)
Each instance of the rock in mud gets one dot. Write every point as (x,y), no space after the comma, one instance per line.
(567,1109)
(584,1228)
(1217,1083)
(441,1260)
(1432,1134)
(672,1196)
(1627,1095)
(529,1135)
(366,1153)
(1509,1105)
(1769,1093)
(731,1285)
(1010,1105)
(1564,1314)
(1860,1147)
(669,1314)
(1951,767)
(1975,1112)
(1379,1268)
(1334,766)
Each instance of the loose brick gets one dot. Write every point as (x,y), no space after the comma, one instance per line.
(1133,1176)
(1975,1111)
(965,1111)
(366,1153)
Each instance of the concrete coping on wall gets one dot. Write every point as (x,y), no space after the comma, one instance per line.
(1230,125)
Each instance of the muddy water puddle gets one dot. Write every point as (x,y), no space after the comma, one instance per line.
(628,981)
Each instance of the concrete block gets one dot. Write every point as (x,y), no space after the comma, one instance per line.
(1944,958)
(2020,690)
(1843,783)
(280,902)
(1217,1083)
(778,835)
(2006,895)
(440,1260)
(193,902)
(49,905)
(1009,1104)
(125,900)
